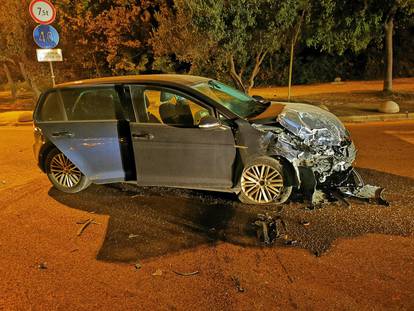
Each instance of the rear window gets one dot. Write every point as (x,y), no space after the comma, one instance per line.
(101,103)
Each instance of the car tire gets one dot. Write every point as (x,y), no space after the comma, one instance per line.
(63,174)
(264,181)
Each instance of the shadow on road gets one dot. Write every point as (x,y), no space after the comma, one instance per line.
(150,221)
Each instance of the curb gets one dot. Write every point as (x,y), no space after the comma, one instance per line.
(16,123)
(16,118)
(378,117)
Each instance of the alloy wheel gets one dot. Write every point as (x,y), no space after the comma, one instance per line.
(262,183)
(64,171)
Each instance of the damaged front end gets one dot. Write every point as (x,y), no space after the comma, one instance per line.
(321,151)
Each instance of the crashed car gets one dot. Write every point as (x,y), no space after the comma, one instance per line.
(191,132)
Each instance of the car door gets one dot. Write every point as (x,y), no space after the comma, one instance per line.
(89,126)
(171,150)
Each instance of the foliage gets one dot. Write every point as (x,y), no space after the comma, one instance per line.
(244,41)
(111,37)
(17,49)
(344,24)
(232,36)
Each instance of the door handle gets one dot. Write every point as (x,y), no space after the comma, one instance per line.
(62,134)
(145,136)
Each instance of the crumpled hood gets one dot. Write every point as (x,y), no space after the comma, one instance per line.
(313,125)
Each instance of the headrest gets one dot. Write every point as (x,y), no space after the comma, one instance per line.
(165,96)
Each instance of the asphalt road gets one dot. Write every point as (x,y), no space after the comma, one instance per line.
(344,258)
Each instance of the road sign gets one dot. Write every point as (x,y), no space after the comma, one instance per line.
(42,11)
(46,36)
(49,55)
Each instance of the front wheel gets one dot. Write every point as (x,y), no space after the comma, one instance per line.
(63,174)
(263,181)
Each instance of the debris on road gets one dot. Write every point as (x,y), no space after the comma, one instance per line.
(42,266)
(267,227)
(370,192)
(186,273)
(131,236)
(340,197)
(137,266)
(236,282)
(157,272)
(85,224)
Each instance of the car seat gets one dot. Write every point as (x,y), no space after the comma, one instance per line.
(168,114)
(183,112)
(151,117)
(167,108)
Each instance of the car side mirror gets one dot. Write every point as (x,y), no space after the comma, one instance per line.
(258,97)
(208,122)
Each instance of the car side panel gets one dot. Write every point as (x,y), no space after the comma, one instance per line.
(186,157)
(93,146)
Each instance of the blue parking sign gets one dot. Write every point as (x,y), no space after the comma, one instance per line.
(46,36)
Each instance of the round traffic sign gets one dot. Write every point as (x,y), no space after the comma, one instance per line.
(42,11)
(46,36)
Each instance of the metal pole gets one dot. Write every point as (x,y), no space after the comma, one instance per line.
(52,74)
(292,46)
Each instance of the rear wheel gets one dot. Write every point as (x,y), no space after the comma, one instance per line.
(63,174)
(264,181)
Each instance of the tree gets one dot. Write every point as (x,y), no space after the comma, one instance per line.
(301,7)
(232,36)
(111,37)
(390,12)
(17,48)
(339,25)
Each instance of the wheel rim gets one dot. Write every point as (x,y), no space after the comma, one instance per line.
(64,171)
(262,183)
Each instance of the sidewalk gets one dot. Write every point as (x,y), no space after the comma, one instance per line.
(16,118)
(351,101)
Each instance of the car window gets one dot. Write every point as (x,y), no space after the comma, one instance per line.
(95,104)
(99,103)
(53,108)
(234,100)
(164,106)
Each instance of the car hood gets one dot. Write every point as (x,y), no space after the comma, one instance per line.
(313,125)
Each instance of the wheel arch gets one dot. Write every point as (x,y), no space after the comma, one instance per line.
(44,151)
(292,173)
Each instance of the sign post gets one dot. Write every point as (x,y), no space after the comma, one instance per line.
(52,74)
(50,55)
(45,35)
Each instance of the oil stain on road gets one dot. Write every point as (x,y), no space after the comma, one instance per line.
(150,222)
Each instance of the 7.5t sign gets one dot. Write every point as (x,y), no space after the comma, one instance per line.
(42,11)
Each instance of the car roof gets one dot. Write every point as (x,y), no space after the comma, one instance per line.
(176,79)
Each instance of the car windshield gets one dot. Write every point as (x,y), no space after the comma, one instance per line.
(237,102)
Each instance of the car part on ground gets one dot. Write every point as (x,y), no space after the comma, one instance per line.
(269,228)
(63,174)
